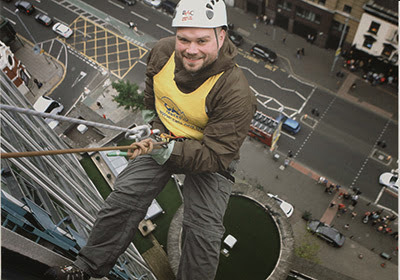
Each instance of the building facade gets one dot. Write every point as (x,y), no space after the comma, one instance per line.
(57,184)
(326,21)
(377,33)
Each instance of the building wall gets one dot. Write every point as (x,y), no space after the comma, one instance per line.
(386,34)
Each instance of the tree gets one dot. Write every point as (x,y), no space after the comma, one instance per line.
(128,95)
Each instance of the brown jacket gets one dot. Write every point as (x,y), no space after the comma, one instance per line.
(230,108)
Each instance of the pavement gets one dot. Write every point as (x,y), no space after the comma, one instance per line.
(360,257)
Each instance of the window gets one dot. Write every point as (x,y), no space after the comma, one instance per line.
(308,15)
(374,27)
(321,2)
(369,40)
(347,9)
(387,50)
(284,5)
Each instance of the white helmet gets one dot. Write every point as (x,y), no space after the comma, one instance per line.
(200,13)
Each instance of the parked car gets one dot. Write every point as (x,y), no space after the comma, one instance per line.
(153,3)
(168,7)
(390,180)
(264,53)
(289,125)
(235,37)
(128,2)
(25,7)
(286,207)
(44,19)
(45,104)
(62,29)
(326,232)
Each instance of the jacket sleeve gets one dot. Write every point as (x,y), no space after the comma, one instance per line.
(232,109)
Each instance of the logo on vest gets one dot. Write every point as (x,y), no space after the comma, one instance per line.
(173,110)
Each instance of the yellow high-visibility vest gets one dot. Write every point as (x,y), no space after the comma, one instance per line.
(184,114)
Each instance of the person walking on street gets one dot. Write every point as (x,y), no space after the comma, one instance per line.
(203,100)
(284,40)
(298,52)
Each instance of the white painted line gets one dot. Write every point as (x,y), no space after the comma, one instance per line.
(288,135)
(51,46)
(13,22)
(40,10)
(162,27)
(59,20)
(379,195)
(142,17)
(115,4)
(8,10)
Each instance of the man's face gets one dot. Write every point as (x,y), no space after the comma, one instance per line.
(197,47)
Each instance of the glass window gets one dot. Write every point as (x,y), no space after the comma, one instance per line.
(308,15)
(321,2)
(284,5)
(387,50)
(347,9)
(368,42)
(374,27)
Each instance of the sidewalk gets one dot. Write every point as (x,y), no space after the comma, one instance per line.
(315,66)
(41,67)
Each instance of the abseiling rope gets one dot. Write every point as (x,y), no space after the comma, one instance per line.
(137,131)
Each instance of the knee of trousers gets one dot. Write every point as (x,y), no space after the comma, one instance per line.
(119,201)
(212,232)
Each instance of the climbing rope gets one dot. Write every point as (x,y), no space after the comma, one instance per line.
(137,133)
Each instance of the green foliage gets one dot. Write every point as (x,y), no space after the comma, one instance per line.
(128,95)
(306,215)
(308,248)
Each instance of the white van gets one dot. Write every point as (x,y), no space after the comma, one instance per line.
(47,105)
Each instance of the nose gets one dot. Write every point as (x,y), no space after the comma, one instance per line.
(192,48)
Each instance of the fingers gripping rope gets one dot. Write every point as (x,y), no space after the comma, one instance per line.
(141,148)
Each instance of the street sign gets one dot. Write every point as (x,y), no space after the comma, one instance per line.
(338,51)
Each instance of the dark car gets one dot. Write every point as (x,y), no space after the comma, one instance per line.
(326,232)
(44,19)
(168,7)
(264,53)
(25,7)
(235,37)
(128,2)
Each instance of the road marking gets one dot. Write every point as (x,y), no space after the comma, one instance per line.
(142,17)
(379,195)
(164,28)
(61,21)
(8,10)
(79,78)
(115,4)
(13,22)
(40,10)
(368,157)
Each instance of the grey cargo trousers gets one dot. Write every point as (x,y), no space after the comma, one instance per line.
(205,195)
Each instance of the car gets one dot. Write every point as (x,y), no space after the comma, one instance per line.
(235,37)
(128,2)
(45,104)
(153,3)
(264,53)
(390,180)
(168,7)
(62,29)
(326,232)
(25,7)
(286,207)
(44,19)
(289,125)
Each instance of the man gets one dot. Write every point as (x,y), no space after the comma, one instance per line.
(203,100)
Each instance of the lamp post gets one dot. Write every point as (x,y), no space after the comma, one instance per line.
(338,50)
(36,47)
